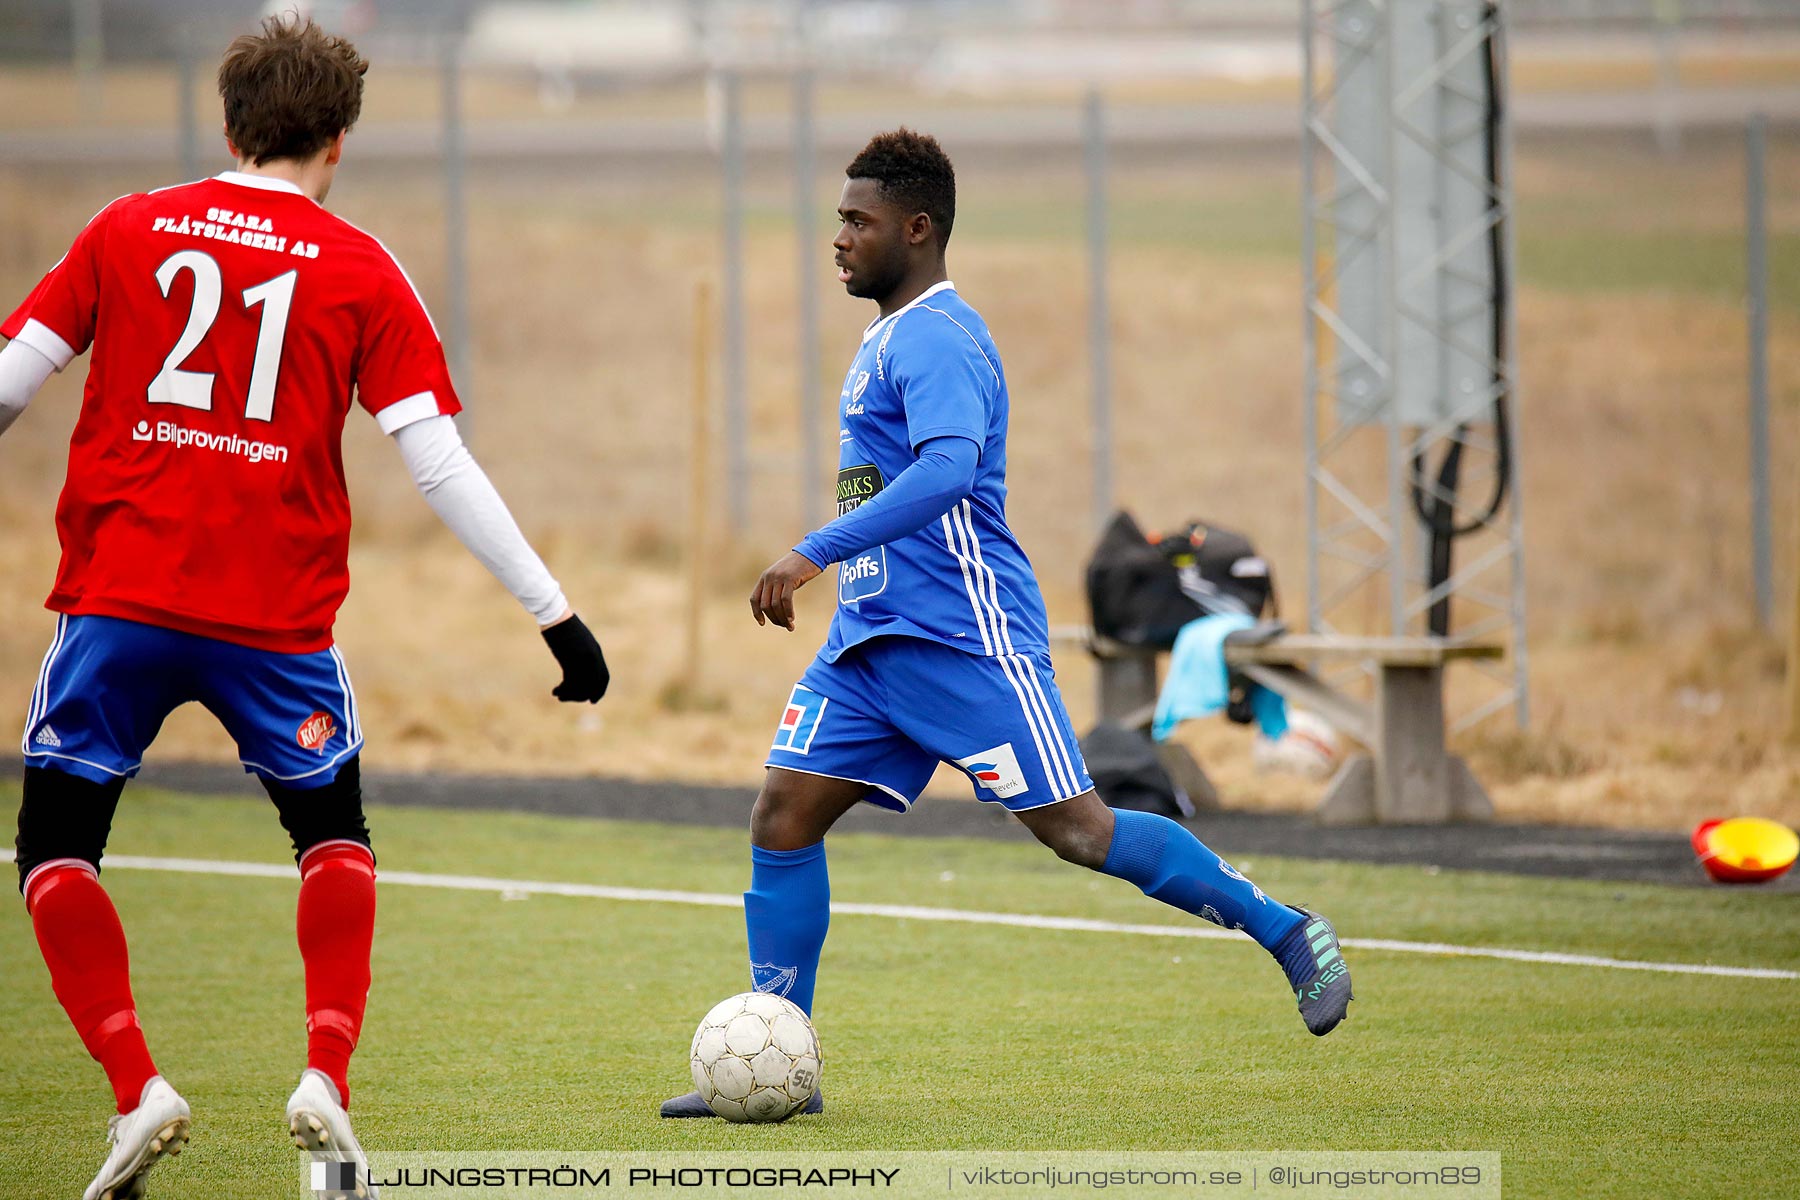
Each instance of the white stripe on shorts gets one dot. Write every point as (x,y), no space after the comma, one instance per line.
(987,644)
(984,575)
(1064,780)
(352,718)
(1056,738)
(40,695)
(1045,762)
(1039,719)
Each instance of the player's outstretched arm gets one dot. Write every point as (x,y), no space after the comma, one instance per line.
(941,475)
(464,499)
(23,370)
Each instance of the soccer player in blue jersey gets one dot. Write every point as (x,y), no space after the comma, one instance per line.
(939,649)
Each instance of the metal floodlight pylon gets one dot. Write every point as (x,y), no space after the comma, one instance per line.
(1410,401)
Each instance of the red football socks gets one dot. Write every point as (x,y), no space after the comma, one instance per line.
(336,926)
(83,944)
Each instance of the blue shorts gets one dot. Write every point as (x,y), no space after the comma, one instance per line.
(892,708)
(107,684)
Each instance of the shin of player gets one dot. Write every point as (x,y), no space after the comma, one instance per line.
(335,916)
(77,927)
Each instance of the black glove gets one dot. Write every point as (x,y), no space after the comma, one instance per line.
(583,666)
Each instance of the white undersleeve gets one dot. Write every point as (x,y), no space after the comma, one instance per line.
(23,370)
(460,493)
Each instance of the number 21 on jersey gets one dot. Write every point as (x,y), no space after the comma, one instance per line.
(193,389)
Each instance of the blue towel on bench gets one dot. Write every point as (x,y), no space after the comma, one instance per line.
(1197,684)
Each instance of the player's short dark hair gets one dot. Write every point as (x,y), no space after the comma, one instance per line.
(290,89)
(914,173)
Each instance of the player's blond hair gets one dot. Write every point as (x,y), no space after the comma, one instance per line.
(290,89)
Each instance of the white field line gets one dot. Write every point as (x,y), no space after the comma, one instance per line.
(591,891)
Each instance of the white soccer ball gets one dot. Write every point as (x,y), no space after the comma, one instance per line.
(756,1058)
(1309,747)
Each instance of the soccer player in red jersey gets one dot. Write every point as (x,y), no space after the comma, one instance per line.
(204,526)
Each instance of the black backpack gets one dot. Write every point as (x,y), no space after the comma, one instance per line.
(1127,773)
(1142,590)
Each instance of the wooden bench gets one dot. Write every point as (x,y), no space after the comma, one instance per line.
(1404,775)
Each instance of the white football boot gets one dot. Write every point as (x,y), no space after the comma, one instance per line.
(157,1127)
(319,1124)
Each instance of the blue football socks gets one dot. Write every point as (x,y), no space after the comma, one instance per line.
(1172,865)
(787,911)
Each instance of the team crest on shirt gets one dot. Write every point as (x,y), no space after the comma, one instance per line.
(315,731)
(996,770)
(855,407)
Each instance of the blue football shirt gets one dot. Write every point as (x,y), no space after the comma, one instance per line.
(931,370)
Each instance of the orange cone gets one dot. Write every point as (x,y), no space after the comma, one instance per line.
(1745,849)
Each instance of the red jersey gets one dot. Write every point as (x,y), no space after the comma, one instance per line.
(230,320)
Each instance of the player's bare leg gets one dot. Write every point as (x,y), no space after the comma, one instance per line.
(1170,864)
(795,810)
(788,907)
(1079,830)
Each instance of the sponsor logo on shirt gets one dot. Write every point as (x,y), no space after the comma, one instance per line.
(315,731)
(865,578)
(866,566)
(169,433)
(997,770)
(855,485)
(242,229)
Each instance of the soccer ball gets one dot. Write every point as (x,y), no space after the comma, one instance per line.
(1309,747)
(756,1058)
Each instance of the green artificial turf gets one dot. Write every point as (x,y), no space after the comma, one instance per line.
(558,1023)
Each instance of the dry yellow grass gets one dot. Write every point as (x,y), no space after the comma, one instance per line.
(1634,458)
(146,96)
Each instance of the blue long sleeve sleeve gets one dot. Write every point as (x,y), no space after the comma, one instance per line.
(942,474)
